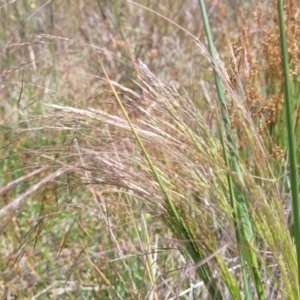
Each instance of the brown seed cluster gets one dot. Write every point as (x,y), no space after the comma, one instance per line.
(255,63)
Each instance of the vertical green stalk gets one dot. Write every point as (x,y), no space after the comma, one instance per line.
(290,131)
(204,271)
(244,231)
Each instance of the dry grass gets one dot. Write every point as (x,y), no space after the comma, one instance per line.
(81,214)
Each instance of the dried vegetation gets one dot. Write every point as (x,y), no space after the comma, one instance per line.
(81,213)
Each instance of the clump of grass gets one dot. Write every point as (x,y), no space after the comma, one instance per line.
(139,161)
(241,217)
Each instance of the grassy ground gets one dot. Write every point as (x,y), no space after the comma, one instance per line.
(83,212)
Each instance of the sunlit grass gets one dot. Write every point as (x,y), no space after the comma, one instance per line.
(137,182)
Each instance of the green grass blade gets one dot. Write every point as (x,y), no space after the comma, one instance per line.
(203,271)
(240,209)
(290,131)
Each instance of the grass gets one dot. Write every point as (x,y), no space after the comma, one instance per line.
(127,172)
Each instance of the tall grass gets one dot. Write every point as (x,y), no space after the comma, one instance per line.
(293,174)
(141,162)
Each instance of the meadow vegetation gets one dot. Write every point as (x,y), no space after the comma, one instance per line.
(141,159)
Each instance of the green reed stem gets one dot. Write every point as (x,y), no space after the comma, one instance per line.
(293,174)
(242,222)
